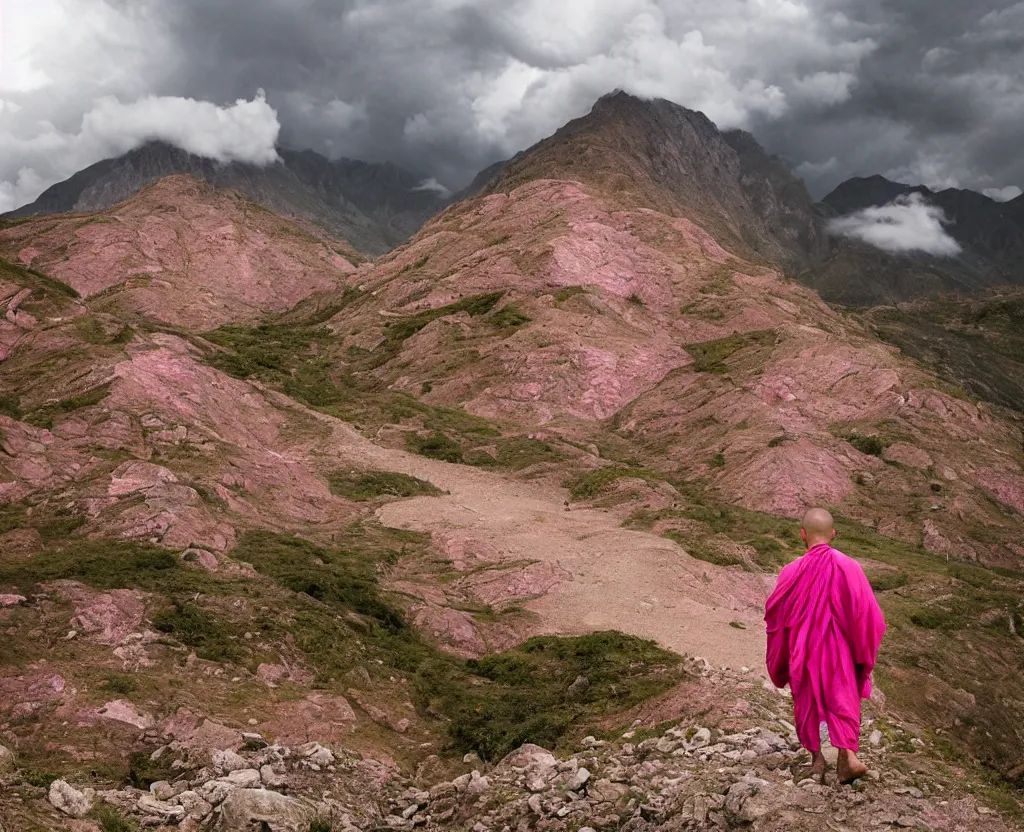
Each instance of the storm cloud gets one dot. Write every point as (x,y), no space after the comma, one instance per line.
(923,91)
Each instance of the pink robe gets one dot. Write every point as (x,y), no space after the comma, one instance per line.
(824,630)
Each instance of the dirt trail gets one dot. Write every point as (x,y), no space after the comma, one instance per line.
(621,579)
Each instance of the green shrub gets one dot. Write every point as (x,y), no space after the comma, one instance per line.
(436,445)
(335,577)
(104,564)
(370,485)
(718,460)
(701,550)
(588,484)
(871,445)
(509,317)
(194,627)
(398,331)
(562,295)
(889,581)
(521,452)
(144,772)
(10,406)
(111,820)
(931,618)
(120,683)
(635,299)
(710,356)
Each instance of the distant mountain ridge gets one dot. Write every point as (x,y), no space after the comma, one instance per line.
(651,153)
(990,233)
(373,206)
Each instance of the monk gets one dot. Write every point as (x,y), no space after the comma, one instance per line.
(824,631)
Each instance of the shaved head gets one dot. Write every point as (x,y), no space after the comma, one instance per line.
(817,526)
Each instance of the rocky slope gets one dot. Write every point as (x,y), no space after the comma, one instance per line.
(183,254)
(269,492)
(732,769)
(374,207)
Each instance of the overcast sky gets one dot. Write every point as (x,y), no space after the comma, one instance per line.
(923,91)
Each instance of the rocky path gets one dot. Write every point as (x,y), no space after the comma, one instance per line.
(736,772)
(614,578)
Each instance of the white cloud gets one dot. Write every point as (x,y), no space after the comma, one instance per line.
(1003,194)
(246,131)
(906,224)
(432,184)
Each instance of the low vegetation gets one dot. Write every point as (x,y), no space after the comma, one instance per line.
(710,356)
(363,486)
(543,689)
(589,484)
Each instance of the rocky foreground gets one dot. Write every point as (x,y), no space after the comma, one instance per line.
(740,771)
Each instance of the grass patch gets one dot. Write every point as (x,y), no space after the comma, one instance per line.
(889,581)
(111,820)
(436,445)
(267,348)
(10,406)
(521,452)
(562,295)
(718,460)
(362,487)
(398,331)
(509,317)
(497,703)
(32,277)
(108,564)
(209,635)
(635,300)
(871,445)
(120,684)
(710,356)
(43,417)
(702,550)
(588,484)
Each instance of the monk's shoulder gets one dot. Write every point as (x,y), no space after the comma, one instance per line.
(848,564)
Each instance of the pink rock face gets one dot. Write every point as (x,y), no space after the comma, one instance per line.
(466,552)
(273,675)
(907,455)
(104,617)
(1006,487)
(125,712)
(11,600)
(504,587)
(327,717)
(138,476)
(183,253)
(193,730)
(454,631)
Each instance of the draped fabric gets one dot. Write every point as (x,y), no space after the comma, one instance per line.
(824,630)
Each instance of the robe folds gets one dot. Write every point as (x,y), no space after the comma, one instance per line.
(824,630)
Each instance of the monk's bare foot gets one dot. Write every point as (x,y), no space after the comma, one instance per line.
(818,765)
(849,768)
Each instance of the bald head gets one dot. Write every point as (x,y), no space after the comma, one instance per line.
(817,527)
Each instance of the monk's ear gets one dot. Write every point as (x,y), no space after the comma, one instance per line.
(803,535)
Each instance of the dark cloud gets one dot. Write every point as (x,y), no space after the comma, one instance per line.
(921,90)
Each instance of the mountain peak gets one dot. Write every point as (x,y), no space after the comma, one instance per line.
(656,154)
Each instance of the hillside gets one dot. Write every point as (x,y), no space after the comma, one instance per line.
(373,207)
(181,253)
(294,542)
